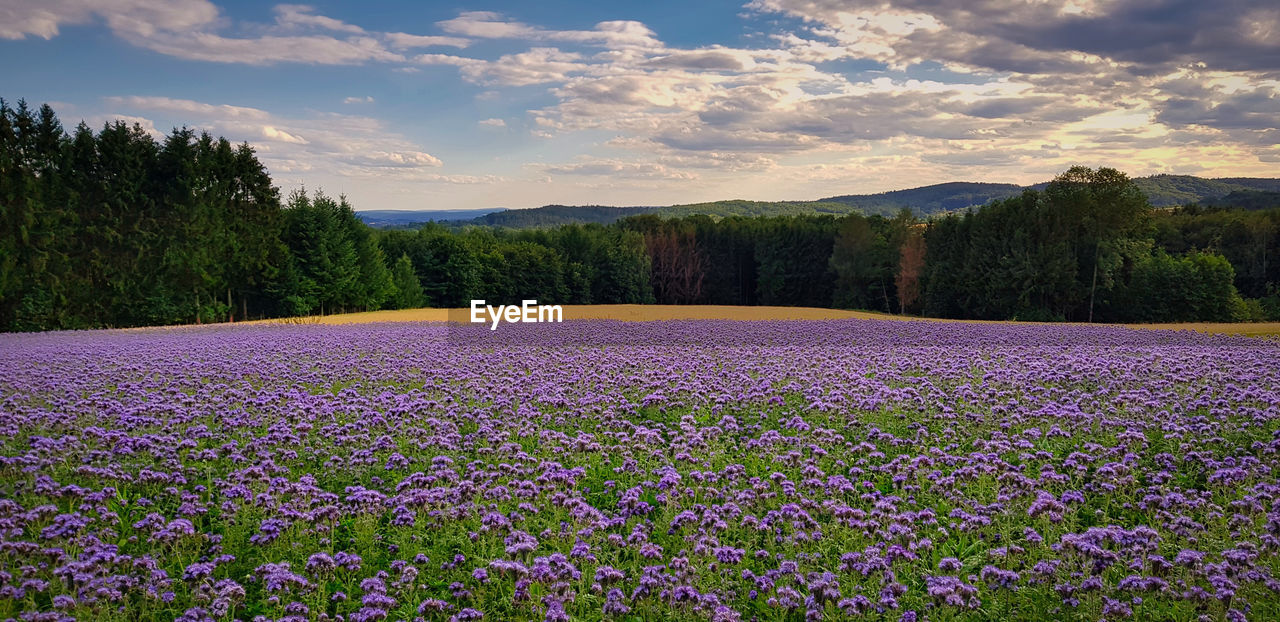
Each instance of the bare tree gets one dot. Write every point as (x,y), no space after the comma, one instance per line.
(910,267)
(677,266)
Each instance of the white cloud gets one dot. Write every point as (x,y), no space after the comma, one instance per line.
(326,143)
(401,41)
(612,34)
(193,29)
(97,121)
(190,107)
(536,66)
(271,133)
(44,19)
(1022,87)
(302,16)
(447,59)
(265,50)
(618,169)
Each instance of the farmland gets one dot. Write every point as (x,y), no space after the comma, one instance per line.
(650,313)
(677,469)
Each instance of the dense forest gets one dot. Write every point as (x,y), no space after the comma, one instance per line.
(114,228)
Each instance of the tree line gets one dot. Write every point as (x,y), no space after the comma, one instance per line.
(1087,248)
(118,228)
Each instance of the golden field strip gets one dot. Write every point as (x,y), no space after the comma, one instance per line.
(646,313)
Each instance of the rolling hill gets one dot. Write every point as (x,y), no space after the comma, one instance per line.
(1170,190)
(395,219)
(1162,190)
(948,197)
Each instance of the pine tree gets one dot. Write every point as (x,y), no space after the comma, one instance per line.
(408,291)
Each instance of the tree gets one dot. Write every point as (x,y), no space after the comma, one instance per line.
(677,265)
(864,258)
(1106,206)
(792,256)
(408,291)
(910,268)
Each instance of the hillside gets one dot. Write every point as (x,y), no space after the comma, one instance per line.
(1246,200)
(395,219)
(739,207)
(1171,190)
(553,215)
(1162,190)
(948,197)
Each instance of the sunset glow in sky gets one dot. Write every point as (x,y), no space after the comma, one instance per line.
(439,105)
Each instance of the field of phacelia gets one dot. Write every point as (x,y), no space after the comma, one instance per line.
(652,471)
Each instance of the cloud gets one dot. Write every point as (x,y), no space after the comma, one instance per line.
(302,16)
(402,41)
(266,50)
(325,143)
(1253,109)
(447,59)
(368,99)
(616,34)
(536,66)
(97,121)
(1147,36)
(190,107)
(619,169)
(142,17)
(271,133)
(699,60)
(195,30)
(839,90)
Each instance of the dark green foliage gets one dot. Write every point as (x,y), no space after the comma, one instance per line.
(336,263)
(789,257)
(1080,250)
(568,265)
(114,229)
(1250,240)
(1009,260)
(408,292)
(739,261)
(117,229)
(1172,190)
(865,258)
(1164,288)
(1247,200)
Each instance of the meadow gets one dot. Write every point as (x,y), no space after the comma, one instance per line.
(665,470)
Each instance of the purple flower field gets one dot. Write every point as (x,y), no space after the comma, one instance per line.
(666,470)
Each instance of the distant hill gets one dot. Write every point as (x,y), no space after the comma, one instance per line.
(1162,190)
(739,207)
(394,219)
(1171,190)
(1246,200)
(553,215)
(948,197)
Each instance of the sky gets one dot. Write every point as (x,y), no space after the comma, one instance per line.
(427,104)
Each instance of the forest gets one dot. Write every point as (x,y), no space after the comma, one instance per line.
(114,228)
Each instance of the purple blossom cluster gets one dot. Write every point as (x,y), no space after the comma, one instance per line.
(661,470)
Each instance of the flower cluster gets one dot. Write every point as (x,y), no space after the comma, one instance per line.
(665,470)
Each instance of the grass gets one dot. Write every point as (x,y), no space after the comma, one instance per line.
(643,313)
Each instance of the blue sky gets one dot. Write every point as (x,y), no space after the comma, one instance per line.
(440,105)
